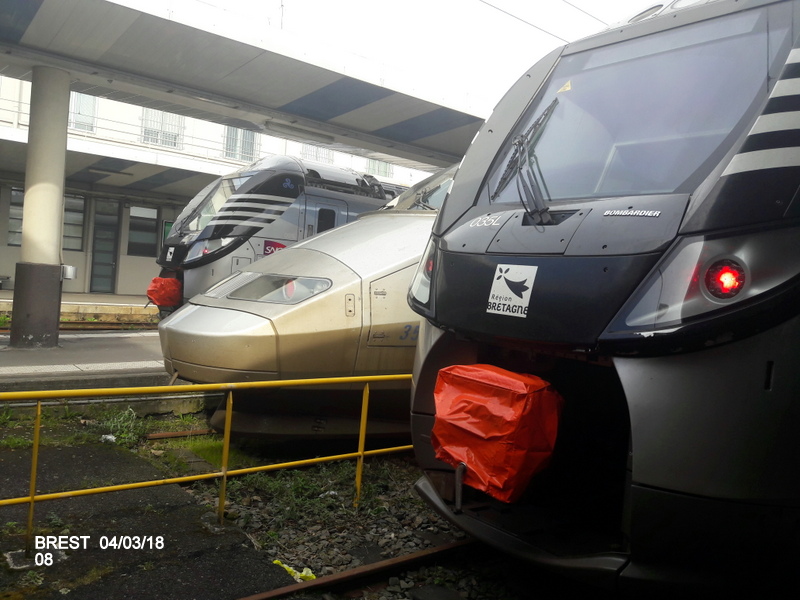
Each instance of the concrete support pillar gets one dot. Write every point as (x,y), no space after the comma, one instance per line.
(37,290)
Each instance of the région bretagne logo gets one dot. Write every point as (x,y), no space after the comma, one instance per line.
(511,290)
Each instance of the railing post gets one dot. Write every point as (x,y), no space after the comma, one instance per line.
(226,442)
(362,434)
(34,468)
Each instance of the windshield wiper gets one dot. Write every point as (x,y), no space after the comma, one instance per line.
(519,167)
(420,200)
(528,181)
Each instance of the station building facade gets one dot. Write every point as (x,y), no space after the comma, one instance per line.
(112,231)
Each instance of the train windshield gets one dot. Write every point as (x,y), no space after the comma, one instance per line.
(429,194)
(207,203)
(651,115)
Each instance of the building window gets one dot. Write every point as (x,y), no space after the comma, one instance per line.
(317,153)
(378,167)
(72,236)
(162,128)
(241,144)
(143,232)
(82,111)
(73,222)
(15,218)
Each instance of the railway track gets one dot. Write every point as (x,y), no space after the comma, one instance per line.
(358,578)
(109,325)
(451,571)
(99,326)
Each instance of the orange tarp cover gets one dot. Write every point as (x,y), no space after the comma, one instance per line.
(165,291)
(501,425)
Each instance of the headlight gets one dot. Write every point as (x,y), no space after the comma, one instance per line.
(419,293)
(272,288)
(203,248)
(713,283)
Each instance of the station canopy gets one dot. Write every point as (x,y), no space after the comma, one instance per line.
(116,52)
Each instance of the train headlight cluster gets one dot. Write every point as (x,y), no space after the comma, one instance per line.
(703,279)
(419,293)
(269,287)
(202,249)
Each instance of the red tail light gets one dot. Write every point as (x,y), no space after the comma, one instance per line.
(724,279)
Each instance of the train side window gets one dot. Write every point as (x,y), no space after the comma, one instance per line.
(326,219)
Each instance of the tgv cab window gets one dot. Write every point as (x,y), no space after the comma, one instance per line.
(639,117)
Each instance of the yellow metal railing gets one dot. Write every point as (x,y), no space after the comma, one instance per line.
(224,472)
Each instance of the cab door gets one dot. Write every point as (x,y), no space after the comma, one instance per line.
(389,341)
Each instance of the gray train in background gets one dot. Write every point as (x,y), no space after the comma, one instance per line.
(259,210)
(626,226)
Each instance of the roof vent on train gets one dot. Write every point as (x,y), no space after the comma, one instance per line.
(647,13)
(660,10)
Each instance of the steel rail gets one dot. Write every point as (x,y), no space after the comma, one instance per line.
(363,572)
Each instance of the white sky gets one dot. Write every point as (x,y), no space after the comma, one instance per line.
(463,54)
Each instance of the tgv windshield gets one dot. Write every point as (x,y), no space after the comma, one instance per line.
(646,116)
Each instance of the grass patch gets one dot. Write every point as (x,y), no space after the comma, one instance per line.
(125,426)
(207,447)
(68,424)
(12,528)
(6,416)
(187,422)
(93,575)
(15,442)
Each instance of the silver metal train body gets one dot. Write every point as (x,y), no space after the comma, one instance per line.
(259,210)
(626,226)
(330,306)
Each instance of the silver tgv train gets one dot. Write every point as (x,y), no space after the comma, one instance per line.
(626,227)
(259,210)
(330,306)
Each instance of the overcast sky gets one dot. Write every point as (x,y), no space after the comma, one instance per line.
(463,54)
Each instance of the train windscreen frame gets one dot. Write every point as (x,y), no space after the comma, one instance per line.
(601,126)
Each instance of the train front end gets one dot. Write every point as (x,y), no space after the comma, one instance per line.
(223,217)
(626,227)
(257,211)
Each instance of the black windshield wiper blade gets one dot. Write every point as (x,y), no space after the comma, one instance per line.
(524,142)
(420,200)
(528,181)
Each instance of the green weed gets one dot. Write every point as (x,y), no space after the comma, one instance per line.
(12,528)
(6,416)
(54,521)
(125,426)
(15,442)
(31,579)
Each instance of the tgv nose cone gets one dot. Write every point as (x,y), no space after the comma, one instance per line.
(217,345)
